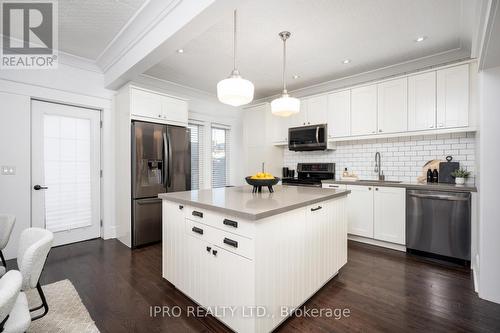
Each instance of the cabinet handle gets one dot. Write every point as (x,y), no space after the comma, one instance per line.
(160,116)
(431,126)
(369,188)
(230,242)
(373,131)
(315,209)
(181,207)
(197,230)
(230,223)
(440,125)
(214,252)
(376,188)
(380,131)
(335,186)
(209,248)
(196,213)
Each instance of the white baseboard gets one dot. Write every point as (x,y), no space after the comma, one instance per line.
(109,232)
(371,241)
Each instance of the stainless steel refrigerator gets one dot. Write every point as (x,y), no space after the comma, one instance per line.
(161,162)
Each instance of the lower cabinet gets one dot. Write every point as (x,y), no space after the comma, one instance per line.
(377,212)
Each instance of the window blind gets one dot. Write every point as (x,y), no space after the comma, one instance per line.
(220,156)
(196,156)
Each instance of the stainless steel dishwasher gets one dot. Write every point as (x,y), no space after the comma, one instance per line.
(439,223)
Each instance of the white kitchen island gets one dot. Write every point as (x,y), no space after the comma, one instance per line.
(251,258)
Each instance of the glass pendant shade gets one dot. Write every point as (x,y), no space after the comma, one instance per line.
(235,91)
(285,106)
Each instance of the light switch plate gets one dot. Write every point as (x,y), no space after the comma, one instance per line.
(8,170)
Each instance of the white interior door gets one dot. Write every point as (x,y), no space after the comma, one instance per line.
(65,171)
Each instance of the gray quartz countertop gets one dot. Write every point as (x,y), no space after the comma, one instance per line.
(411,186)
(241,202)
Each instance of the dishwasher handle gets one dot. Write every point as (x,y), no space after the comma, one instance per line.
(439,197)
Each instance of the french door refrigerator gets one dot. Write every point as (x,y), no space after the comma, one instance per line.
(161,162)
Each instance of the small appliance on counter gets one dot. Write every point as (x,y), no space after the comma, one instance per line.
(311,174)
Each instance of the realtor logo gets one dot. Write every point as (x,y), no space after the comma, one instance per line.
(29,34)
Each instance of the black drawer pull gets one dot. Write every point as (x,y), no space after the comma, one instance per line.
(181,207)
(197,230)
(209,248)
(196,213)
(230,223)
(230,242)
(315,209)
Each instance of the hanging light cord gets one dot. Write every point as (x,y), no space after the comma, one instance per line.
(284,65)
(234,43)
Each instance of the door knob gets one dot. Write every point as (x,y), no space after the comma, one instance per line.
(40,187)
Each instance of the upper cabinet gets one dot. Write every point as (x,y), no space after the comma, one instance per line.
(453,97)
(392,111)
(422,101)
(364,110)
(339,114)
(156,107)
(316,108)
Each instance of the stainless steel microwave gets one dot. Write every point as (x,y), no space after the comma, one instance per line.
(304,138)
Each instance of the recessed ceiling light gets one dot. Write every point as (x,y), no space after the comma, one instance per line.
(346,61)
(420,39)
(180,50)
(296,76)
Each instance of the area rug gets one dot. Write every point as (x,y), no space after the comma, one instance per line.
(67,314)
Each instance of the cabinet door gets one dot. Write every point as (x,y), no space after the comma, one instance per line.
(146,104)
(389,214)
(360,210)
(254,126)
(392,111)
(364,110)
(174,110)
(300,119)
(196,270)
(453,97)
(279,128)
(339,114)
(231,284)
(316,110)
(422,101)
(173,245)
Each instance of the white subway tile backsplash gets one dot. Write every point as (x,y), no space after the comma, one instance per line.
(402,157)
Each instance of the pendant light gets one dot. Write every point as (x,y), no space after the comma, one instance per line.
(235,90)
(285,105)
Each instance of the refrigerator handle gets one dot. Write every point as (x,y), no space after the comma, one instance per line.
(165,160)
(169,162)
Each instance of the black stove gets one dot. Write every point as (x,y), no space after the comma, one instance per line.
(311,174)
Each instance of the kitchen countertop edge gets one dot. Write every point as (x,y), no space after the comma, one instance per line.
(412,186)
(250,216)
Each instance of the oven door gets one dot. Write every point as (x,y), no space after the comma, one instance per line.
(307,138)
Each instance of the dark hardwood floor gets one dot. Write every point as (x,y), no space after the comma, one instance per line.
(385,291)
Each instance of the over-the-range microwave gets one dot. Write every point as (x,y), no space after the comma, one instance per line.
(305,138)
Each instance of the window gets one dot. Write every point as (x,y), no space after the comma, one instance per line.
(220,156)
(196,156)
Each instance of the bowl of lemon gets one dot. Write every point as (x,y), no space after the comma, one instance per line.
(262,179)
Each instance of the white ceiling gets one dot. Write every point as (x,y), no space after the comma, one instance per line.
(373,34)
(86,27)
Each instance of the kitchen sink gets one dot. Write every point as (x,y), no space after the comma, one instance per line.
(379,181)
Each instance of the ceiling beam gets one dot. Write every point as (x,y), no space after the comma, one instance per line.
(160,28)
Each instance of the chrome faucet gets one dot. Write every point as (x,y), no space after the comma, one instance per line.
(378,167)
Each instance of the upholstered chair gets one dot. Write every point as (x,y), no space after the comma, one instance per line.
(14,313)
(6,225)
(34,247)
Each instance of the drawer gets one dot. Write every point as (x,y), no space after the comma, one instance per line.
(231,242)
(223,222)
(335,186)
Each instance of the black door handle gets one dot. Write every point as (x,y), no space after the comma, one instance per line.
(230,242)
(209,248)
(230,223)
(315,209)
(197,230)
(214,252)
(181,207)
(40,187)
(196,213)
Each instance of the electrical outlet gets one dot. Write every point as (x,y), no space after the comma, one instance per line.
(8,170)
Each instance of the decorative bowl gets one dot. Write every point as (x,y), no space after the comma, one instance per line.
(258,183)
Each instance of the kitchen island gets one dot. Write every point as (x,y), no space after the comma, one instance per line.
(251,258)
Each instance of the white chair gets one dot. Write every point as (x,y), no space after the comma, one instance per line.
(14,312)
(34,247)
(6,225)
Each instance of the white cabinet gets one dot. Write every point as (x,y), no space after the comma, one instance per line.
(299,119)
(148,105)
(422,101)
(377,212)
(360,210)
(279,129)
(389,214)
(392,111)
(453,97)
(316,110)
(364,110)
(339,114)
